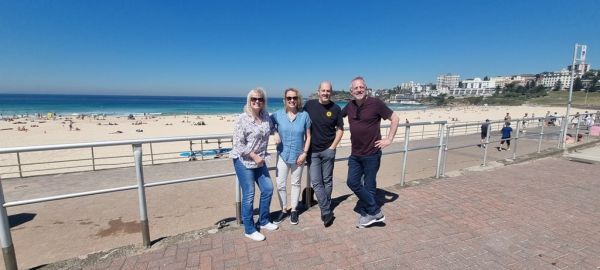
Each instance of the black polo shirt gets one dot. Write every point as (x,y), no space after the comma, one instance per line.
(326,120)
(365,122)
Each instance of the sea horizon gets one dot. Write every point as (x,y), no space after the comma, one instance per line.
(121,105)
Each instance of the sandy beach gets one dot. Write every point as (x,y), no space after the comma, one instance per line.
(40,131)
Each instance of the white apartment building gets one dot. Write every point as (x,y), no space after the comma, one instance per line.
(474,87)
(550,79)
(407,85)
(446,82)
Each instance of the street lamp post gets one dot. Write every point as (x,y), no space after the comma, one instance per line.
(581,49)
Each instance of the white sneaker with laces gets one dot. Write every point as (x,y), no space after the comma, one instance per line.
(269,226)
(256,236)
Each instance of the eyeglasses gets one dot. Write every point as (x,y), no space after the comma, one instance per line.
(291,98)
(254,99)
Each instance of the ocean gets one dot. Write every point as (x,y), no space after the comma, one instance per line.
(32,104)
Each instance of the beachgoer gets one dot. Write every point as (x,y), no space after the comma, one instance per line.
(506,130)
(524,123)
(575,120)
(552,120)
(249,153)
(364,116)
(292,136)
(589,121)
(484,132)
(327,130)
(507,118)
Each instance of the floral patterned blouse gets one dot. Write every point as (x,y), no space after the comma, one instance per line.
(251,136)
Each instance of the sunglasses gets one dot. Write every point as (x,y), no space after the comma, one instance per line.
(291,98)
(254,99)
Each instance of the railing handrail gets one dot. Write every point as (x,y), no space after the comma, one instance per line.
(21,149)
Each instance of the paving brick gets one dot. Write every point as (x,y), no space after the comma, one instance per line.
(525,216)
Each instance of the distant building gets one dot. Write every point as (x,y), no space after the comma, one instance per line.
(475,87)
(550,79)
(522,79)
(580,69)
(446,82)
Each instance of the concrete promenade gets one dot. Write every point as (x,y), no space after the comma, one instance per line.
(54,231)
(541,214)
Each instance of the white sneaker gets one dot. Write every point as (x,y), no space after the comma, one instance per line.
(256,236)
(269,226)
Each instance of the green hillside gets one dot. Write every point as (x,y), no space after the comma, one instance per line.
(559,98)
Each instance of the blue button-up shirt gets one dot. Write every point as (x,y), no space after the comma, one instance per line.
(292,134)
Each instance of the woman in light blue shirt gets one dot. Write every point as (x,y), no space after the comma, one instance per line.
(292,136)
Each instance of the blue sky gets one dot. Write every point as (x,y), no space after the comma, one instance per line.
(225,48)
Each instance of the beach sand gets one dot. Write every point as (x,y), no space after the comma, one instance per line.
(58,131)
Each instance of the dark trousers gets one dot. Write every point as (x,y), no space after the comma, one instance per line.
(364,188)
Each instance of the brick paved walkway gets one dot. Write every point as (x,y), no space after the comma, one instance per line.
(543,214)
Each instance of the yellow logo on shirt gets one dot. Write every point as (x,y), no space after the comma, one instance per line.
(329,114)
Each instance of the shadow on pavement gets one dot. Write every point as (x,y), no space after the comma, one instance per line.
(18,219)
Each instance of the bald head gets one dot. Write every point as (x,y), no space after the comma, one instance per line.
(324,92)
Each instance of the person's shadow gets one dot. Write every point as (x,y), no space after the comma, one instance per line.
(381,197)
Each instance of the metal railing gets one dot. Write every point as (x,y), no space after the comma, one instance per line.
(440,131)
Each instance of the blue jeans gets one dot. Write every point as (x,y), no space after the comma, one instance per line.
(247,177)
(321,174)
(367,167)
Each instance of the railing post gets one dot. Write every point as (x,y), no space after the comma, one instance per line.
(486,144)
(139,171)
(152,155)
(19,164)
(516,139)
(406,140)
(577,129)
(8,249)
(238,202)
(564,129)
(446,150)
(440,150)
(93,160)
(541,137)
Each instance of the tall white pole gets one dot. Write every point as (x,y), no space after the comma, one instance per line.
(566,119)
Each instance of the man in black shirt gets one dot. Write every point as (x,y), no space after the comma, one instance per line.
(327,130)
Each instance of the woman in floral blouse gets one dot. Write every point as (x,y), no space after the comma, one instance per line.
(249,154)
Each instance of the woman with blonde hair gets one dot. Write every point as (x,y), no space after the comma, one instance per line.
(249,153)
(292,135)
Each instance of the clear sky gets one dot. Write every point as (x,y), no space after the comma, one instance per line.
(225,48)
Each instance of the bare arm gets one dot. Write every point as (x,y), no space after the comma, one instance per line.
(302,156)
(338,137)
(392,132)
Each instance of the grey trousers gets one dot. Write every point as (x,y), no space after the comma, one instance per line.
(321,177)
